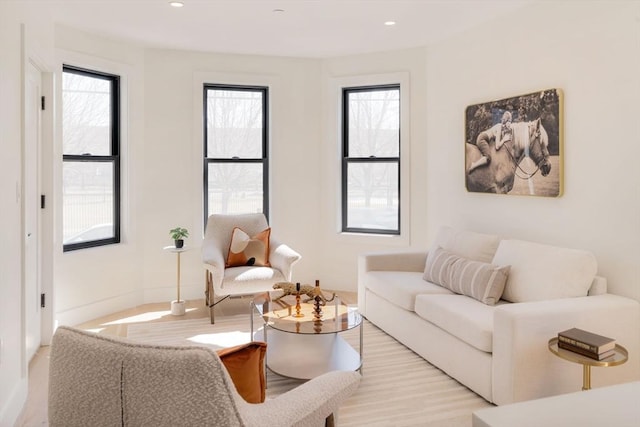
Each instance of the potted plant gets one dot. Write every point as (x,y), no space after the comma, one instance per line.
(178,234)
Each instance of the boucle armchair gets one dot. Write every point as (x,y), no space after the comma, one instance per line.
(222,281)
(100,381)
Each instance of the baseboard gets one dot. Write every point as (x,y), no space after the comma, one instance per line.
(187,292)
(84,313)
(12,409)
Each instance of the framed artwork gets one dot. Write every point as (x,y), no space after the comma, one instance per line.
(514,145)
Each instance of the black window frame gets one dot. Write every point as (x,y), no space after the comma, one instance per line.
(264,160)
(347,160)
(113,158)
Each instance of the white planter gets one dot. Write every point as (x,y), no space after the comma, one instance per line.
(177,308)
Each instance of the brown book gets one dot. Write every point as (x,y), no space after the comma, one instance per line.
(588,341)
(580,350)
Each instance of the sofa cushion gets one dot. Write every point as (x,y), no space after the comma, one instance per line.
(543,272)
(401,287)
(249,280)
(479,280)
(463,317)
(468,244)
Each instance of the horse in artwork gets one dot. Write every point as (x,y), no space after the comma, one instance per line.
(529,139)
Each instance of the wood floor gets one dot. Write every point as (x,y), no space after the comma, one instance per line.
(35,411)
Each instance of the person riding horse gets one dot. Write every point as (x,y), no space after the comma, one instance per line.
(500,133)
(528,140)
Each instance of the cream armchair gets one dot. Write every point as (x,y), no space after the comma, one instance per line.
(222,282)
(100,381)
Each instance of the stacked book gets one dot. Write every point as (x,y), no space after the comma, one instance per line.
(586,343)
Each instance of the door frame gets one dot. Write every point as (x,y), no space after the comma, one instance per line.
(30,217)
(45,187)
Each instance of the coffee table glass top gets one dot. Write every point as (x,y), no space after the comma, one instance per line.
(280,315)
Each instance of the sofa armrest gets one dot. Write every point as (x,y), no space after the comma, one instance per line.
(282,257)
(523,366)
(307,405)
(213,262)
(392,261)
(386,261)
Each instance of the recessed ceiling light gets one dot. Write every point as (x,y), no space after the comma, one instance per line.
(390,23)
(176,3)
(278,10)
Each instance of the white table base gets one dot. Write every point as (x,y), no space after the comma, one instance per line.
(306,356)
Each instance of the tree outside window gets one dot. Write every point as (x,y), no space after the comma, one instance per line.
(371,159)
(235,149)
(91,161)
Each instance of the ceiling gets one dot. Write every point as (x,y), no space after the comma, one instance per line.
(302,28)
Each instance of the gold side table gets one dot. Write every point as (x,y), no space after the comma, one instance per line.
(620,356)
(177,306)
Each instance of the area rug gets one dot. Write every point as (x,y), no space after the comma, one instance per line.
(398,387)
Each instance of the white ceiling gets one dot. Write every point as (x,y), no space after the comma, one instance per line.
(305,28)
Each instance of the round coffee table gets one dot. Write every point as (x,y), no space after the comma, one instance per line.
(302,348)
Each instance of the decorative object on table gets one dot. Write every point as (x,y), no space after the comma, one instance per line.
(178,234)
(298,308)
(586,343)
(289,288)
(508,141)
(317,308)
(320,300)
(582,351)
(311,292)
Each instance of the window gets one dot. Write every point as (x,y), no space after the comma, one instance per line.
(91,158)
(235,150)
(371,159)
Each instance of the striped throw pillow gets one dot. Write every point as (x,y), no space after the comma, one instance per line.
(475,279)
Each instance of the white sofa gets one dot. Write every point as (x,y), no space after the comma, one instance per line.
(500,351)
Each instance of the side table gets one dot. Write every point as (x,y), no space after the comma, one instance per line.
(177,306)
(619,357)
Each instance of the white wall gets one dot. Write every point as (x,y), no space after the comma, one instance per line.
(572,51)
(303,161)
(164,170)
(173,175)
(591,52)
(337,265)
(12,380)
(23,36)
(93,282)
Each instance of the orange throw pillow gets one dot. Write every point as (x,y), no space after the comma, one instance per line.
(245,250)
(245,364)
